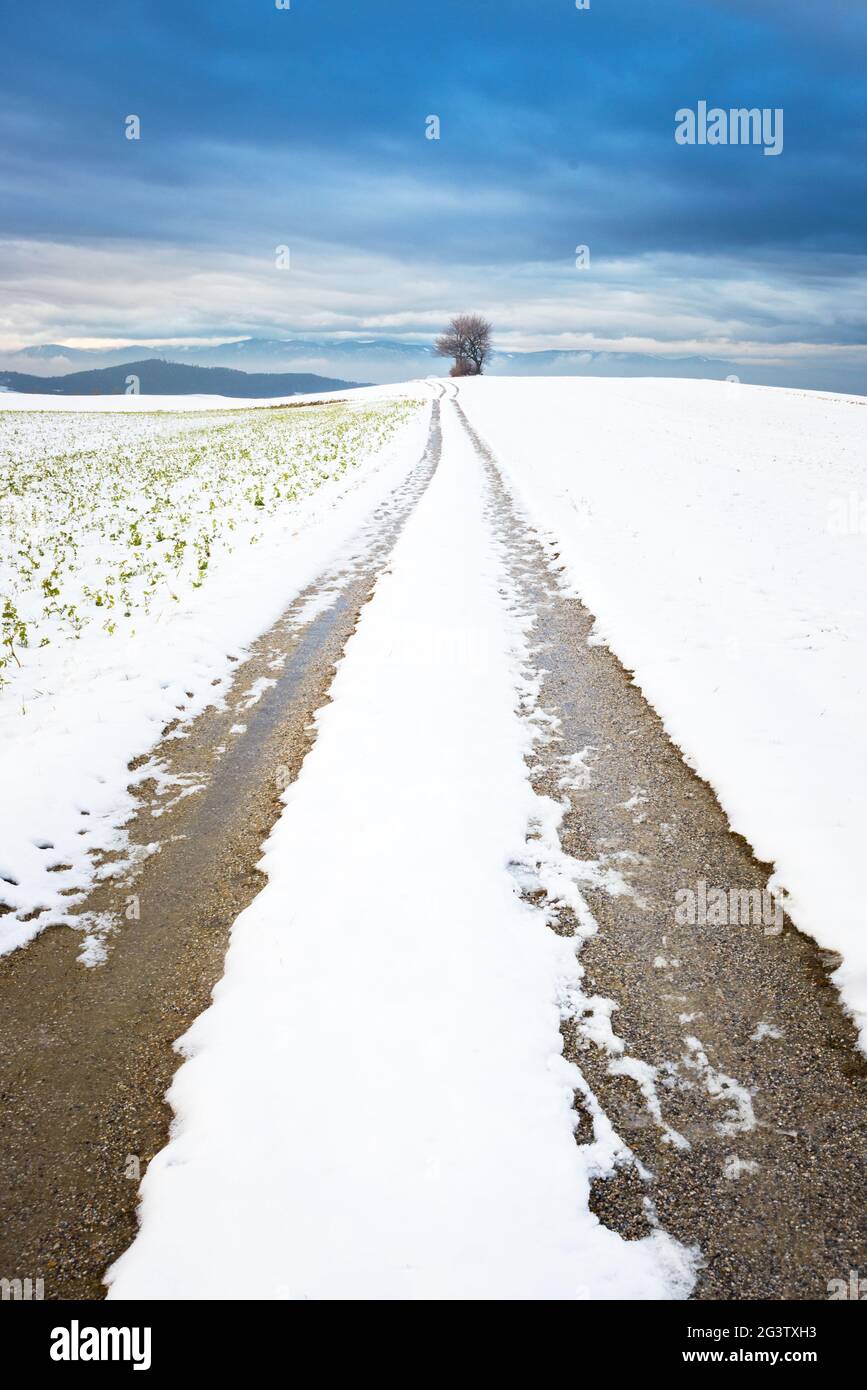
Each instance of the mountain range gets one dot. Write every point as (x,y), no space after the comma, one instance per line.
(341,361)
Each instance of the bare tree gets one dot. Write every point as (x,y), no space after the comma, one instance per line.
(468,340)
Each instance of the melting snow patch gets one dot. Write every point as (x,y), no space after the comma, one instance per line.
(644,1075)
(736,1100)
(97,926)
(252,696)
(578,775)
(637,797)
(766,1030)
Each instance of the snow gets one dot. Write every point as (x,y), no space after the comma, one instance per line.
(765,1030)
(79,709)
(376,1103)
(148,404)
(134,403)
(717,532)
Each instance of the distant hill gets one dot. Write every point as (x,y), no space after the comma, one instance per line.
(363,359)
(382,359)
(157,377)
(320,355)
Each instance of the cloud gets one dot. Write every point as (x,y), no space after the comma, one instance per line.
(306,128)
(122,290)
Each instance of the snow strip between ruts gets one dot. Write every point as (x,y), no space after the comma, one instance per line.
(376,1105)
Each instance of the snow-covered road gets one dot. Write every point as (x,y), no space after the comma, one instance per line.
(409,1084)
(376,1104)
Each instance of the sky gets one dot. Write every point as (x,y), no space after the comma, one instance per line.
(307,128)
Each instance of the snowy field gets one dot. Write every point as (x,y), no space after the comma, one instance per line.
(376,1103)
(718,532)
(137,552)
(137,404)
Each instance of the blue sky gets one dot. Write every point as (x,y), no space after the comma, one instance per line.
(306,127)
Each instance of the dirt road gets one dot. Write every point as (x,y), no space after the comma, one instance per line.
(727,1066)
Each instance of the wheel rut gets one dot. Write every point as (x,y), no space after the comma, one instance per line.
(87,1055)
(721,1054)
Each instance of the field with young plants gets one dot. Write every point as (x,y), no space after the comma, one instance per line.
(106,515)
(141,553)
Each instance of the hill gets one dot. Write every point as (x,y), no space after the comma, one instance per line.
(156,377)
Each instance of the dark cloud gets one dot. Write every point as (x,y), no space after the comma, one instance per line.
(261,125)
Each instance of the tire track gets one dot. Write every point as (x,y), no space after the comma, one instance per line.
(721,1055)
(87,1055)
